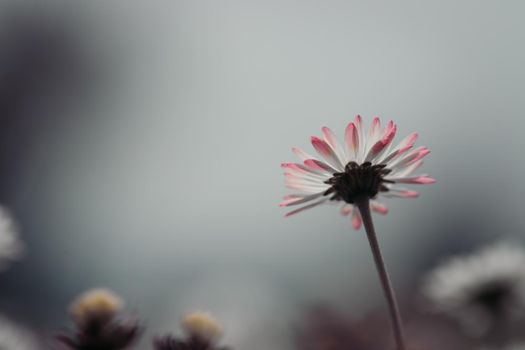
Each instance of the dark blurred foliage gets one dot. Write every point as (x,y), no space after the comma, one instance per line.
(192,343)
(324,328)
(100,333)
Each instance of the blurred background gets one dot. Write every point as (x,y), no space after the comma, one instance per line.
(140,147)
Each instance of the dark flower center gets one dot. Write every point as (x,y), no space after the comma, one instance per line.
(357,181)
(494,297)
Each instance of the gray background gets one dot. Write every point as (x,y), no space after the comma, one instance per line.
(145,156)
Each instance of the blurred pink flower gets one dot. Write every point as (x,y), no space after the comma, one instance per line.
(367,165)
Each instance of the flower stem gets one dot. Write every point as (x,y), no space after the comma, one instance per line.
(364,208)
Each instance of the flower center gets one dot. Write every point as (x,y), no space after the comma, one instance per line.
(364,180)
(494,297)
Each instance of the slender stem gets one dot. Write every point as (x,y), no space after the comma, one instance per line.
(397,326)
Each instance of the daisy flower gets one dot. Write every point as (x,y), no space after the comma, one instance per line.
(367,165)
(484,291)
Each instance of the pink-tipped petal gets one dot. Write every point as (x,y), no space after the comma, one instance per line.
(309,206)
(300,200)
(300,169)
(332,141)
(326,152)
(407,143)
(304,186)
(315,164)
(421,154)
(409,169)
(408,194)
(375,128)
(358,121)
(288,202)
(352,140)
(380,146)
(390,133)
(346,209)
(356,219)
(426,180)
(293,195)
(375,150)
(302,154)
(408,159)
(389,126)
(379,207)
(403,146)
(421,180)
(321,147)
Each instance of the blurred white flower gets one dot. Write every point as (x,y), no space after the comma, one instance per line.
(11,248)
(13,337)
(484,291)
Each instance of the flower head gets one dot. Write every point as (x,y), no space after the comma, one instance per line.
(483,291)
(201,325)
(98,303)
(11,248)
(367,166)
(201,333)
(97,326)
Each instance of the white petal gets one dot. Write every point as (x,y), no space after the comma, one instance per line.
(302,154)
(309,206)
(352,142)
(403,146)
(318,165)
(327,153)
(301,170)
(332,141)
(299,200)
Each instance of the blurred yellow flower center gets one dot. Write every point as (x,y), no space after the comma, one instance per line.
(97,301)
(202,325)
